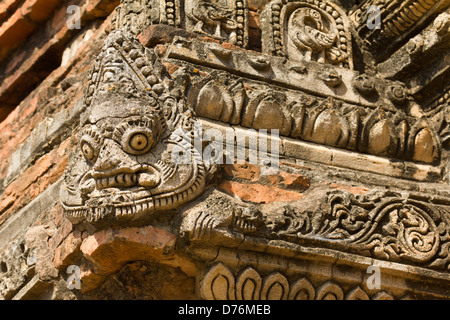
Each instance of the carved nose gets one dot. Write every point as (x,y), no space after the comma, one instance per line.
(111,156)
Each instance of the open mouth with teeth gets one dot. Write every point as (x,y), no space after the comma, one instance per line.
(130,194)
(148,177)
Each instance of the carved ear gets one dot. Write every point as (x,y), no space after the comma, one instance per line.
(173,111)
(176,110)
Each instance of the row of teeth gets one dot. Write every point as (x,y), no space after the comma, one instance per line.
(77,213)
(245,225)
(122,180)
(98,213)
(130,210)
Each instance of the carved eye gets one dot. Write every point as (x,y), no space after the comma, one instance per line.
(90,143)
(137,135)
(88,151)
(314,14)
(139,141)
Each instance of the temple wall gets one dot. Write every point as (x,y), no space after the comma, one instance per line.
(362,140)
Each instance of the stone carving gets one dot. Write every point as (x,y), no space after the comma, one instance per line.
(386,225)
(219,98)
(307,31)
(267,110)
(439,112)
(219,283)
(394,229)
(365,85)
(225,20)
(134,16)
(387,124)
(136,115)
(315,42)
(330,122)
(15,265)
(399,19)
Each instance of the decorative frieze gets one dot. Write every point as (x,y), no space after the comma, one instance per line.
(224,20)
(219,283)
(371,115)
(134,16)
(397,19)
(411,229)
(307,31)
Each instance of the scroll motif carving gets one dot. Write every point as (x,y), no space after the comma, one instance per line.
(123,168)
(219,284)
(308,30)
(385,225)
(396,230)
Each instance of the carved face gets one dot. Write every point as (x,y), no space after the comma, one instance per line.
(124,167)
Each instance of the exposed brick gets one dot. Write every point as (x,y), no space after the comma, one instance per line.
(69,251)
(253,20)
(37,61)
(101,8)
(46,171)
(258,193)
(38,10)
(294,181)
(7,8)
(7,202)
(13,32)
(229,46)
(256,5)
(171,68)
(23,22)
(160,33)
(110,249)
(243,171)
(274,179)
(352,189)
(62,232)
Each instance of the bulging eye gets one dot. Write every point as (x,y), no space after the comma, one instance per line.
(88,151)
(90,143)
(139,142)
(137,134)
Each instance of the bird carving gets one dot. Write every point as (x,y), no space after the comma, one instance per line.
(311,37)
(213,14)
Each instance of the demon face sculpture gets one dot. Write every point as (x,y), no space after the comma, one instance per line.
(124,167)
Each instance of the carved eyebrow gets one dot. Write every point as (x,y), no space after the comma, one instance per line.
(114,118)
